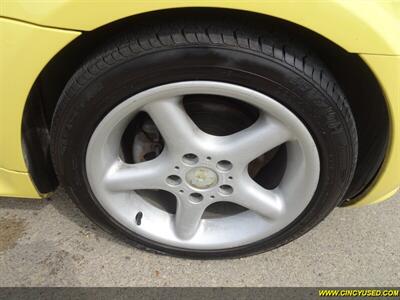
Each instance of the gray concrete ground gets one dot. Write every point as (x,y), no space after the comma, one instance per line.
(50,243)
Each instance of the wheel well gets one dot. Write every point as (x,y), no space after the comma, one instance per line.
(353,75)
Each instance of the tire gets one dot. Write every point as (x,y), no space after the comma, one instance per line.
(270,64)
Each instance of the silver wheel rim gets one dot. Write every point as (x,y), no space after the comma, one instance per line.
(216,172)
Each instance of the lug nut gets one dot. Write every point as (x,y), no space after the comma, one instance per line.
(225,189)
(224,165)
(196,197)
(190,159)
(174,180)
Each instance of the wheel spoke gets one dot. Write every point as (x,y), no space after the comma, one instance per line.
(145,175)
(265,202)
(175,125)
(187,219)
(264,135)
(296,175)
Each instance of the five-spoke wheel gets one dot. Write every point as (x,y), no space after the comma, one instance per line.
(201,169)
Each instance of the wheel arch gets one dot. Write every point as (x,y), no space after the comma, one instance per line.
(331,19)
(355,77)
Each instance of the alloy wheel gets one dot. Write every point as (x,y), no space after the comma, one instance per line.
(200,169)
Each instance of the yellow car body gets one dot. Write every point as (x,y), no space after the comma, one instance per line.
(45,28)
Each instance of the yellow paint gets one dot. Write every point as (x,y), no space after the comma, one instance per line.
(368,27)
(16,184)
(25,50)
(359,26)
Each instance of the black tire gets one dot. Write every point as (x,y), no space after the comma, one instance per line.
(269,63)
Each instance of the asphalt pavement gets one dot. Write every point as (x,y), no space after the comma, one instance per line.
(51,243)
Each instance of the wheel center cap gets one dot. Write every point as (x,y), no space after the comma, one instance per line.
(201,178)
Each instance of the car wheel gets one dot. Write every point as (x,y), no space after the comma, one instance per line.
(199,140)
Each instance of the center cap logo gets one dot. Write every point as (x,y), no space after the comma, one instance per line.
(201,178)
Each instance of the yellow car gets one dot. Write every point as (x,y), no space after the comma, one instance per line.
(201,128)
